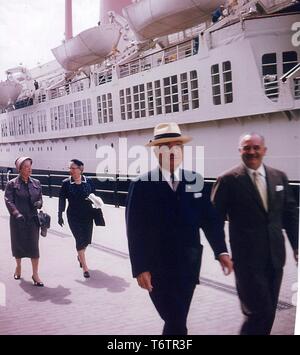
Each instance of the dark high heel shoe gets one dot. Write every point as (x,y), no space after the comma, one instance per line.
(79,261)
(86,274)
(38,284)
(17,275)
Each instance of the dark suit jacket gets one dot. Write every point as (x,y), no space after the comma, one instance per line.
(163,228)
(256,236)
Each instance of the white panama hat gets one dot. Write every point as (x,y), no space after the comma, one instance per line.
(167,132)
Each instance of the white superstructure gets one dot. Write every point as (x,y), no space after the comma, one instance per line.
(218,80)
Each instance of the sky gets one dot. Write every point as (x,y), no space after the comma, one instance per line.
(29,29)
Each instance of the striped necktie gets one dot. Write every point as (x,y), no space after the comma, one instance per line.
(174,182)
(261,188)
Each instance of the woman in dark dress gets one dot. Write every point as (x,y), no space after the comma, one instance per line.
(23,196)
(76,189)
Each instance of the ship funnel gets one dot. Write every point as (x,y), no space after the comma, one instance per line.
(111,5)
(68,20)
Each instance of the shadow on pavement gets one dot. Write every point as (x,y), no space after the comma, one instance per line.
(99,279)
(56,295)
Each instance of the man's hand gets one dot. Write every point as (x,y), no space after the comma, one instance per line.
(38,204)
(144,281)
(20,218)
(226,263)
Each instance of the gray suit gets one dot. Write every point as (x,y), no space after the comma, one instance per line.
(257,241)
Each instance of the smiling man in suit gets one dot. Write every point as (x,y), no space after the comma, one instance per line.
(258,203)
(165,210)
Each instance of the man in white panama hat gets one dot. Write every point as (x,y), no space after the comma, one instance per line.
(163,215)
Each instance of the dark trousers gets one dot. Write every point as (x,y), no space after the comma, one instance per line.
(172,301)
(258,291)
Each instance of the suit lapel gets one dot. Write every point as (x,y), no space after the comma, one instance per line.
(271,186)
(248,185)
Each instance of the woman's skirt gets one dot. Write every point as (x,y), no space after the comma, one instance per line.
(24,239)
(82,232)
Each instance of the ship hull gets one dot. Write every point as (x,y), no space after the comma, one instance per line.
(213,150)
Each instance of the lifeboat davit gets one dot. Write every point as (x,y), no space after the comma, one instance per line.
(90,47)
(151,19)
(9,92)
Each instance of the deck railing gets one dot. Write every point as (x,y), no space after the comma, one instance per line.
(165,56)
(113,189)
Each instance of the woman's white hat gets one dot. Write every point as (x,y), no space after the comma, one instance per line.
(20,161)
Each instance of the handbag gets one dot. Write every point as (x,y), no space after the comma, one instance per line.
(44,221)
(98,217)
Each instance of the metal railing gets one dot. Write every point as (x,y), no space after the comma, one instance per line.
(113,189)
(165,56)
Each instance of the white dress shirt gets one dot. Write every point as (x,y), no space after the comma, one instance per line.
(260,182)
(167,177)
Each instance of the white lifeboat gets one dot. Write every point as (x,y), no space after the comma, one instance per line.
(271,6)
(90,47)
(9,92)
(151,19)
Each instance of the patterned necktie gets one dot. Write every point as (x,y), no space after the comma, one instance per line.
(174,182)
(261,188)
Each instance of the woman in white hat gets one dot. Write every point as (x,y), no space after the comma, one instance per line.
(23,196)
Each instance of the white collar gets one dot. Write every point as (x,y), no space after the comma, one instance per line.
(167,175)
(261,171)
(83,180)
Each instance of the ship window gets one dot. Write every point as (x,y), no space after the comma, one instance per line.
(150,98)
(139,100)
(269,73)
(84,113)
(105,108)
(227,80)
(104,77)
(216,87)
(184,92)
(78,113)
(289,60)
(122,105)
(39,119)
(89,112)
(71,109)
(99,109)
(44,120)
(129,104)
(61,117)
(158,98)
(67,112)
(110,108)
(194,89)
(171,94)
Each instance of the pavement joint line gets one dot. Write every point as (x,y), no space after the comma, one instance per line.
(281,306)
